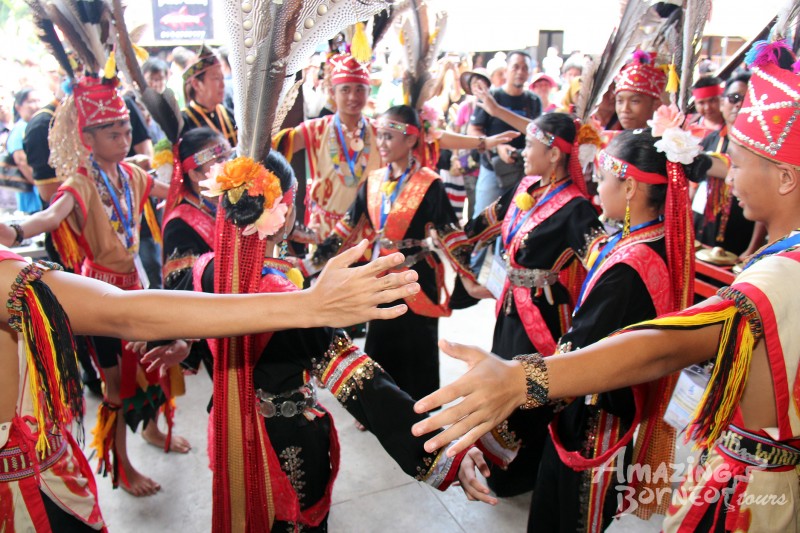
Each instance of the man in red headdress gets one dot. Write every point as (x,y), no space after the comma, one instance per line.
(340,148)
(95,218)
(638,89)
(748,418)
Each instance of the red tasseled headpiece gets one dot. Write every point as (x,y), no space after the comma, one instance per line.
(679,235)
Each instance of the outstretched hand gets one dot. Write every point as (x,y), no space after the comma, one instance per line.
(474,489)
(490,390)
(163,357)
(486,101)
(501,138)
(344,296)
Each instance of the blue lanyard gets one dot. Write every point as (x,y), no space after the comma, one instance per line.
(515,226)
(607,248)
(127,222)
(274,271)
(351,161)
(775,248)
(386,207)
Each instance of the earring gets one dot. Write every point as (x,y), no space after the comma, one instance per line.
(283,247)
(626,225)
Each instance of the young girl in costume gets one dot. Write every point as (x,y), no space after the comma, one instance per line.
(280,476)
(546,226)
(399,207)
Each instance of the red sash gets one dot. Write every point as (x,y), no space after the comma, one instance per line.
(529,314)
(200,222)
(397,223)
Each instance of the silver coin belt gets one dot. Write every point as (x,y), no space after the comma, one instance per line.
(283,405)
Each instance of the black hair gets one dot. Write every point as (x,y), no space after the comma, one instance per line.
(637,147)
(559,124)
(92,129)
(743,77)
(249,208)
(20,97)
(195,140)
(155,64)
(405,114)
(522,53)
(707,81)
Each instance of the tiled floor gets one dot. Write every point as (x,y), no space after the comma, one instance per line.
(371,492)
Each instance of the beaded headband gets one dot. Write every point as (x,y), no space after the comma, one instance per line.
(204,156)
(205,60)
(622,169)
(548,139)
(394,125)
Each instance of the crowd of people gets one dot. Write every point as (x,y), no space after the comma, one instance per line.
(581,219)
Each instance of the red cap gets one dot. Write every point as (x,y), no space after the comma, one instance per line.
(98,102)
(767,123)
(542,76)
(347,69)
(641,76)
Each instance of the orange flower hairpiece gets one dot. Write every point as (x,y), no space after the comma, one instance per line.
(241,175)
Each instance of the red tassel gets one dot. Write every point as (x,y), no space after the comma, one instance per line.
(679,236)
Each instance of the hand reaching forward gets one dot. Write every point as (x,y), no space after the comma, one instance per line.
(490,390)
(343,296)
(474,489)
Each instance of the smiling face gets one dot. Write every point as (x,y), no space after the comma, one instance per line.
(395,147)
(753,180)
(350,99)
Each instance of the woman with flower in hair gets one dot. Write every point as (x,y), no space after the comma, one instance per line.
(546,226)
(398,208)
(631,278)
(266,381)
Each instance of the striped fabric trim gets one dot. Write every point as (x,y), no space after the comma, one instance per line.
(346,368)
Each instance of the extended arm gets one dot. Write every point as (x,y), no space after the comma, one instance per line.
(41,222)
(487,102)
(493,387)
(96,308)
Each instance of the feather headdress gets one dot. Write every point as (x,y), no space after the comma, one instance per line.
(47,33)
(85,25)
(420,48)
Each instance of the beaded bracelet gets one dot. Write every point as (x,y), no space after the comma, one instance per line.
(537,380)
(20,234)
(29,274)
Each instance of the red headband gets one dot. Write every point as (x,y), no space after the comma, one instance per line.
(548,139)
(707,92)
(622,170)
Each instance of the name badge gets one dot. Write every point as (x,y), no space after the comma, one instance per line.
(686,397)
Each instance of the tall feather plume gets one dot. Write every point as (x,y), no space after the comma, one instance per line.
(47,34)
(419,51)
(787,21)
(395,11)
(621,44)
(84,24)
(260,43)
(163,107)
(588,73)
(696,13)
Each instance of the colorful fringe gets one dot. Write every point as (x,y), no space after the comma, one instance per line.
(55,379)
(66,244)
(732,364)
(152,221)
(283,142)
(104,441)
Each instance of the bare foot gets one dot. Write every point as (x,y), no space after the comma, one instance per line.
(359,426)
(157,438)
(136,484)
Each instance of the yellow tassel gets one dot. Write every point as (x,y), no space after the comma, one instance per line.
(286,148)
(66,243)
(152,221)
(141,53)
(295,276)
(110,70)
(106,423)
(524,201)
(177,385)
(673,81)
(359,47)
